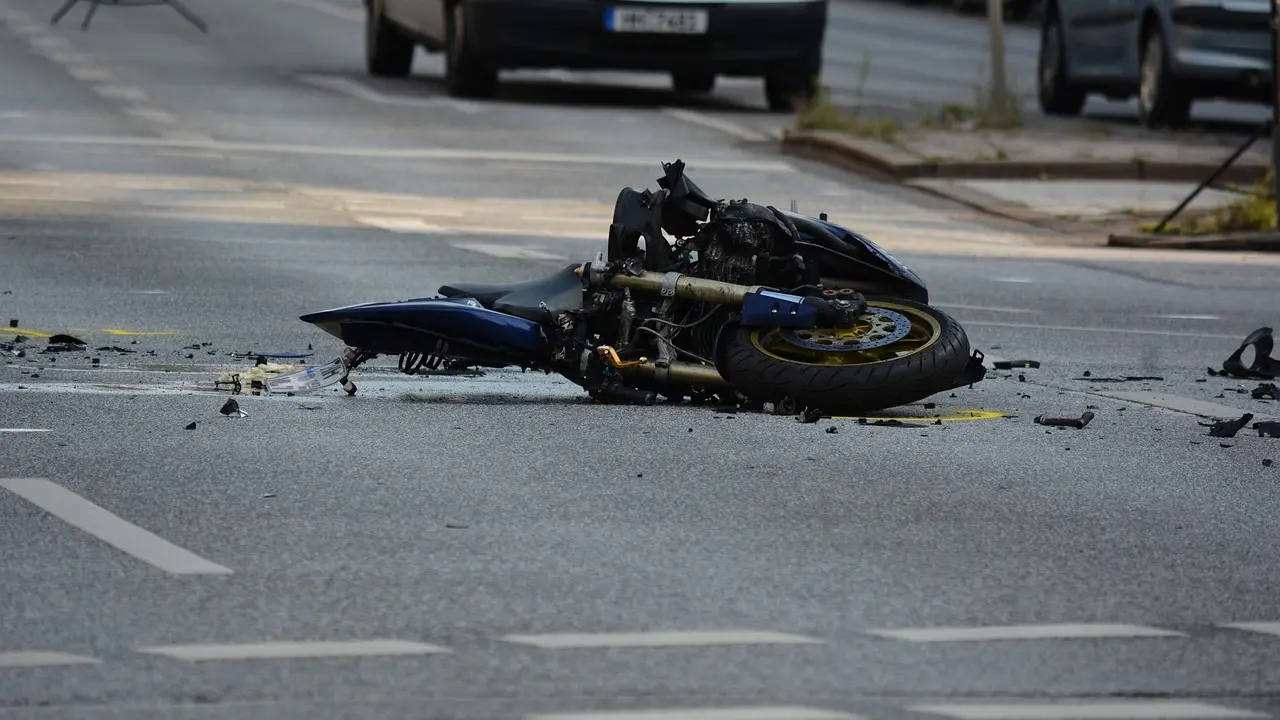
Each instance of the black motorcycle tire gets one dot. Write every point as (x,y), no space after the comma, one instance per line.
(848,389)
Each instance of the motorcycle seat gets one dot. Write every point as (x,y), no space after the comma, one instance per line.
(559,292)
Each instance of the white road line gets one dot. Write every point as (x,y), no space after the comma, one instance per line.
(1187,405)
(119,92)
(52,42)
(328,9)
(1270,628)
(1187,317)
(286,649)
(23,430)
(392,153)
(714,123)
(163,117)
(660,639)
(1062,631)
(70,58)
(37,658)
(1123,710)
(89,73)
(1014,280)
(358,90)
(983,308)
(125,536)
(1121,331)
(509,252)
(740,713)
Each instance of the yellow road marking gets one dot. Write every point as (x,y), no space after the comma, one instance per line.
(24,331)
(118,331)
(956,415)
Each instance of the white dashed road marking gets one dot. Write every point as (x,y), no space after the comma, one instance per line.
(742,713)
(36,658)
(280,650)
(125,536)
(1268,628)
(728,128)
(1133,710)
(23,430)
(660,639)
(1061,631)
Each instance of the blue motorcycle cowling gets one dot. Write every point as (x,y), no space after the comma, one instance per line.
(749,303)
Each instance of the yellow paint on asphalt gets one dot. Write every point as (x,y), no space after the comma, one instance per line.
(954,415)
(118,331)
(25,331)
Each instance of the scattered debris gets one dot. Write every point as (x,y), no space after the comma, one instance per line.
(13,322)
(1263,367)
(1011,364)
(455,526)
(231,407)
(192,426)
(1266,462)
(268,495)
(930,406)
(1077,423)
(1268,428)
(115,349)
(1126,378)
(895,423)
(1226,445)
(64,343)
(809,415)
(1266,390)
(833,430)
(1227,428)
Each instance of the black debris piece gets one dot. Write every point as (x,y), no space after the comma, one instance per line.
(1011,364)
(1263,367)
(1086,373)
(1226,445)
(1196,442)
(65,340)
(892,423)
(1077,423)
(115,349)
(1143,377)
(809,415)
(192,426)
(192,346)
(930,406)
(1022,378)
(1269,428)
(13,322)
(230,407)
(1227,428)
(833,430)
(96,361)
(455,526)
(1266,462)
(1266,390)
(1201,380)
(938,421)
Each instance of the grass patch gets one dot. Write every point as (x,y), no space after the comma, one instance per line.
(1255,212)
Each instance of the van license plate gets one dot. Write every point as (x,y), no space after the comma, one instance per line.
(685,22)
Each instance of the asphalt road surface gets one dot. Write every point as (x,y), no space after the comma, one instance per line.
(495,547)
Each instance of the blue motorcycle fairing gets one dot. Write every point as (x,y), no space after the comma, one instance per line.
(775,309)
(392,328)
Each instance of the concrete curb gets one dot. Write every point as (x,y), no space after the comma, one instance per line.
(1084,233)
(1251,241)
(889,160)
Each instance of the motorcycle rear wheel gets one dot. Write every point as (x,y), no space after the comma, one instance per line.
(899,352)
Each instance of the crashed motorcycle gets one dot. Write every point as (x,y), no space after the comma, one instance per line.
(695,298)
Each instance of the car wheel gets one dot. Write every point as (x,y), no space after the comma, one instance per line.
(788,91)
(465,73)
(693,83)
(1058,95)
(1161,103)
(388,51)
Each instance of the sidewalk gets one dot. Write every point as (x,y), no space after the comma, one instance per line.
(1112,183)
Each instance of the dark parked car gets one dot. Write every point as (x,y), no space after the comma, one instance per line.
(779,40)
(1168,52)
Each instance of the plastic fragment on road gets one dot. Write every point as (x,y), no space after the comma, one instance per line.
(1227,428)
(1011,364)
(1077,423)
(1269,428)
(231,407)
(1266,390)
(270,378)
(1263,367)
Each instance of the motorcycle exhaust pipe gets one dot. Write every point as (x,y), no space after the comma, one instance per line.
(685,287)
(671,373)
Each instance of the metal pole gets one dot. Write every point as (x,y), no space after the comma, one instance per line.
(1275,100)
(995,27)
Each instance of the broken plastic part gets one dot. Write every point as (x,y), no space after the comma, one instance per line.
(1077,423)
(1268,428)
(1011,364)
(1227,428)
(1263,367)
(1266,390)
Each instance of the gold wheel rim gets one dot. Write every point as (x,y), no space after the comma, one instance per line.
(924,332)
